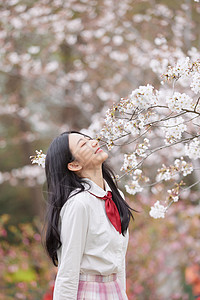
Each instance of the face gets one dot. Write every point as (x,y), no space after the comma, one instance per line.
(86,152)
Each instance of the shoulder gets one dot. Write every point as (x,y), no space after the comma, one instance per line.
(77,203)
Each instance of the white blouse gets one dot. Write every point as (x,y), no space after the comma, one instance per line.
(90,243)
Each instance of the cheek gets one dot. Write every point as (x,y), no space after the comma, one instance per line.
(84,155)
(100,157)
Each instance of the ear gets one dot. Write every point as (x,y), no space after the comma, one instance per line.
(74,166)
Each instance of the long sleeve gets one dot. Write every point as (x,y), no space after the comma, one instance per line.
(122,274)
(74,226)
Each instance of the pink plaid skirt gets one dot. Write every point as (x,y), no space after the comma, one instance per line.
(98,287)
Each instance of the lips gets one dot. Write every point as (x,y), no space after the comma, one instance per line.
(97,150)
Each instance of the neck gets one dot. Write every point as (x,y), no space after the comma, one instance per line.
(95,175)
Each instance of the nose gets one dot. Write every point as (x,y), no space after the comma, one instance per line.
(94,143)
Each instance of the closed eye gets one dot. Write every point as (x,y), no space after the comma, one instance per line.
(86,138)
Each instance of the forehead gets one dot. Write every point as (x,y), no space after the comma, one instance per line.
(73,140)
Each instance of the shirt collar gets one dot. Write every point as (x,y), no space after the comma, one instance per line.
(95,189)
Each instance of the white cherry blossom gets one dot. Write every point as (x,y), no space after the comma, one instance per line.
(39,158)
(183,166)
(193,149)
(158,210)
(133,187)
(131,126)
(173,129)
(143,97)
(179,101)
(182,67)
(130,161)
(141,149)
(195,85)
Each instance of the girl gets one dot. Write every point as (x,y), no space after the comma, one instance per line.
(87,221)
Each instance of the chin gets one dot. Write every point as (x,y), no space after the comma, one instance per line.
(103,156)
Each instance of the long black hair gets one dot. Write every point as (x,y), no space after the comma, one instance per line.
(61,182)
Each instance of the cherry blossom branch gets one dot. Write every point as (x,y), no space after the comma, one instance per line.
(196,104)
(159,181)
(156,150)
(191,111)
(183,190)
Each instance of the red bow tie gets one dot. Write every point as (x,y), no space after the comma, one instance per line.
(111,211)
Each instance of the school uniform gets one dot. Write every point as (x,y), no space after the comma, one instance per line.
(91,260)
